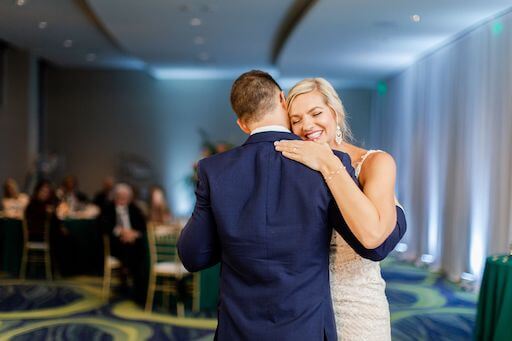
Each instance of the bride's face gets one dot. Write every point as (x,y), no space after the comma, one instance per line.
(311,119)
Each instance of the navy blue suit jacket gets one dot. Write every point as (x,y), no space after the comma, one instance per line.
(268,220)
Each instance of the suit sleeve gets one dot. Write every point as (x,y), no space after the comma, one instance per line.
(336,219)
(198,245)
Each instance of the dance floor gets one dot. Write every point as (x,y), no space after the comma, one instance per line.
(423,307)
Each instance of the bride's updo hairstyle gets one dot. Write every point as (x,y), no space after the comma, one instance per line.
(331,99)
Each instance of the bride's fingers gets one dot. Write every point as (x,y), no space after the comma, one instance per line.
(291,156)
(287,143)
(279,147)
(286,148)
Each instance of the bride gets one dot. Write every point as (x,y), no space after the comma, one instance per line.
(317,115)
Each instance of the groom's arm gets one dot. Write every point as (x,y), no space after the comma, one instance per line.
(198,245)
(336,219)
(380,252)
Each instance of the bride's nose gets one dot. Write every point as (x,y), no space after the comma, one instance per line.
(307,124)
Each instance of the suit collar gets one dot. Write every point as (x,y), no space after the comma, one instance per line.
(270,136)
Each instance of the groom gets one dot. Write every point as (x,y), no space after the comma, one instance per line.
(268,220)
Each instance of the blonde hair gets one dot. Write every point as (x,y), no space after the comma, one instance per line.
(332,100)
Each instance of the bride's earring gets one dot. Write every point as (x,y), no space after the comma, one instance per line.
(339,136)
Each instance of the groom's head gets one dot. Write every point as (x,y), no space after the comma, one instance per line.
(258,100)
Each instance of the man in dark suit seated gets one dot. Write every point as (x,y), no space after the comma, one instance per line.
(268,220)
(126,226)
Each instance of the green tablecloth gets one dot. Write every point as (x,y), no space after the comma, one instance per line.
(11,244)
(494,314)
(80,252)
(209,288)
(83,253)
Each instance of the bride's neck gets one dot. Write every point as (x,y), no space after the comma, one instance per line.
(342,147)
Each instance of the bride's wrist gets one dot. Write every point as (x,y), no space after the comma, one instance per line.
(330,166)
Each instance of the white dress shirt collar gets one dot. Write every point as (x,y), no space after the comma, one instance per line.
(270,128)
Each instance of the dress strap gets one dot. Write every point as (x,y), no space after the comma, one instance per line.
(360,163)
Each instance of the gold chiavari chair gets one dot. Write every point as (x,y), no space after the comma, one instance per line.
(193,288)
(36,251)
(164,264)
(110,264)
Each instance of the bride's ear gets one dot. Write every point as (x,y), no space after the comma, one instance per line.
(243,126)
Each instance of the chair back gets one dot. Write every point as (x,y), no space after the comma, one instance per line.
(46,229)
(106,247)
(162,240)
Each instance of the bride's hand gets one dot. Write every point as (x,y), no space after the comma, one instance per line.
(311,154)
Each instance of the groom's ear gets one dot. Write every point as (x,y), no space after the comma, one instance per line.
(282,100)
(243,126)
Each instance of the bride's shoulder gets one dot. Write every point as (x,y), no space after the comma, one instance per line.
(378,162)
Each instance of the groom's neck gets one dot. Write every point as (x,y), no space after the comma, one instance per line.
(271,119)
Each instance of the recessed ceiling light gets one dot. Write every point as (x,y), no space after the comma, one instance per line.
(195,22)
(42,25)
(199,40)
(415,18)
(67,43)
(90,57)
(203,56)
(20,2)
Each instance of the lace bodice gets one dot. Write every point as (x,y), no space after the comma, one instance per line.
(357,288)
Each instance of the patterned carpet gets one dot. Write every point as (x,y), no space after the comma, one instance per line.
(423,307)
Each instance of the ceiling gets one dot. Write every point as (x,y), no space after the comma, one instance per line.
(355,42)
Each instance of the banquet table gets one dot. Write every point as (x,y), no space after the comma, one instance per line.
(83,253)
(494,313)
(79,252)
(209,288)
(11,244)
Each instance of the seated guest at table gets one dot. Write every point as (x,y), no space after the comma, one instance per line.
(40,210)
(126,226)
(104,197)
(13,202)
(68,193)
(158,211)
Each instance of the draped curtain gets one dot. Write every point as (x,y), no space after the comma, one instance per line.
(447,120)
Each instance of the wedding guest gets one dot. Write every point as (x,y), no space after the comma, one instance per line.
(13,202)
(40,210)
(158,210)
(68,193)
(105,196)
(124,222)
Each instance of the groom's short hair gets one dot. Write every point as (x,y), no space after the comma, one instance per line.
(253,94)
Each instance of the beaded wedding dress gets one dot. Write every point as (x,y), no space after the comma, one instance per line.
(357,288)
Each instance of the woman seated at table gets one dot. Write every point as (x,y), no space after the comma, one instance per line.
(13,202)
(40,210)
(158,211)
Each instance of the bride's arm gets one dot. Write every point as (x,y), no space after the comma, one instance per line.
(370,213)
